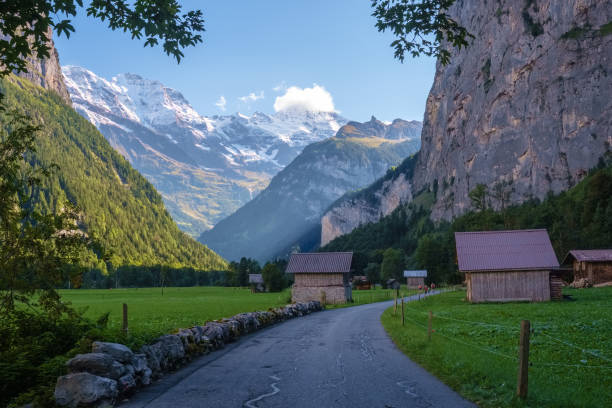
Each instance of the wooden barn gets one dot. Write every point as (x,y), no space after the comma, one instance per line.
(594,265)
(503,266)
(414,279)
(361,283)
(323,276)
(256,282)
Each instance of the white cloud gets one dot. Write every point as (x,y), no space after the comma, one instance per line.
(251,97)
(221,103)
(315,99)
(282,87)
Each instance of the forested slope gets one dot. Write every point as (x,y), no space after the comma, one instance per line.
(119,207)
(580,218)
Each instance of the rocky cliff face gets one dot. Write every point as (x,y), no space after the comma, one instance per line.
(288,211)
(47,72)
(524,110)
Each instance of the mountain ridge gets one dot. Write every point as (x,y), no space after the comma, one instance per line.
(204,166)
(286,214)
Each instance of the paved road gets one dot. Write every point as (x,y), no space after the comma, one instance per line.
(336,358)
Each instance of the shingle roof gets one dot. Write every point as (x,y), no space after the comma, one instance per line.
(589,255)
(505,250)
(415,274)
(255,278)
(320,262)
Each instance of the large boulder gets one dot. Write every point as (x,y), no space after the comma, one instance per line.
(126,385)
(119,352)
(96,363)
(85,389)
(154,356)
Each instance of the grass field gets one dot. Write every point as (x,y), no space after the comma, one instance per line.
(474,348)
(150,314)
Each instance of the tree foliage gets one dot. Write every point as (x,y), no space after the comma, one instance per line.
(25,25)
(580,218)
(273,277)
(36,249)
(421,27)
(392,265)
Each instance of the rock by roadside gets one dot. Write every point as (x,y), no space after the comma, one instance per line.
(113,371)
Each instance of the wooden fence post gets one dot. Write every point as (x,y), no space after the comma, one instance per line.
(125,319)
(429,326)
(402,311)
(522,381)
(395,307)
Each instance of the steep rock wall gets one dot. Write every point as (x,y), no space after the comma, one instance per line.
(47,72)
(525,109)
(527,106)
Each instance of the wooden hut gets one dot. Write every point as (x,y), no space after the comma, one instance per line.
(595,265)
(256,282)
(361,283)
(393,284)
(323,276)
(414,279)
(502,266)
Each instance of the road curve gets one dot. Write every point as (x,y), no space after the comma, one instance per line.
(335,358)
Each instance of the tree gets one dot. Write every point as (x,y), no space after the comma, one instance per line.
(36,250)
(478,197)
(273,277)
(392,265)
(372,271)
(420,27)
(27,22)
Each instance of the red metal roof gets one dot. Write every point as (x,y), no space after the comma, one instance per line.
(505,250)
(320,262)
(589,255)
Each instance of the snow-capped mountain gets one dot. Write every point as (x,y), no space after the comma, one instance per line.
(205,167)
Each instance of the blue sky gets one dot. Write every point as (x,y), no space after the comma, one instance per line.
(262,48)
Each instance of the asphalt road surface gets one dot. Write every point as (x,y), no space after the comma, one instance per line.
(335,358)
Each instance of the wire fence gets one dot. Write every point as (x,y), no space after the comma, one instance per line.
(440,331)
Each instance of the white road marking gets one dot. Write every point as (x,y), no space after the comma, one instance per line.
(275,389)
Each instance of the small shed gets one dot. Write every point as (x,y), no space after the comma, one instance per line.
(361,283)
(323,276)
(414,279)
(256,282)
(393,284)
(594,265)
(502,266)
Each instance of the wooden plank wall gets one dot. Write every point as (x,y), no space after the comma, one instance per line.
(596,272)
(509,286)
(318,279)
(414,282)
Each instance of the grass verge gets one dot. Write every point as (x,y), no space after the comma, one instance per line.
(474,347)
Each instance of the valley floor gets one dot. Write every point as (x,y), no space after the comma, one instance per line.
(474,347)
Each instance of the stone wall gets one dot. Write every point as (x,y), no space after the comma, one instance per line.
(112,371)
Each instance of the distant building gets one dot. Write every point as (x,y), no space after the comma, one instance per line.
(361,283)
(501,266)
(414,279)
(393,284)
(323,276)
(256,282)
(594,265)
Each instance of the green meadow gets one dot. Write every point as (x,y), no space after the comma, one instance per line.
(474,347)
(151,314)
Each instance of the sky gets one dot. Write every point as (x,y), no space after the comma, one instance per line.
(268,54)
